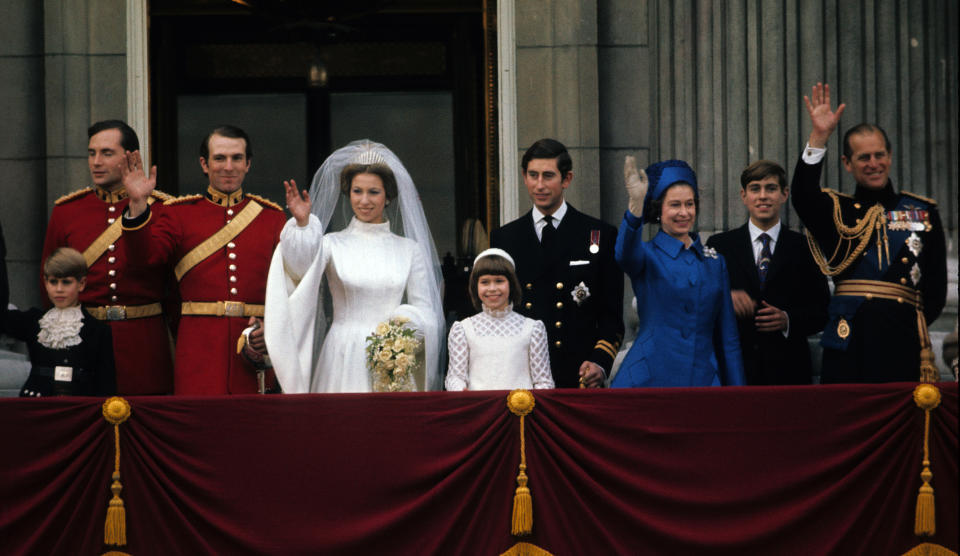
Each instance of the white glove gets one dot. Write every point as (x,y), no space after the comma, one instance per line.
(636,183)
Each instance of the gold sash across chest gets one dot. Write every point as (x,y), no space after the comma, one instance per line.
(106,239)
(218,240)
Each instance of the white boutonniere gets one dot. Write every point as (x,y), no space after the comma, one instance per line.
(710,252)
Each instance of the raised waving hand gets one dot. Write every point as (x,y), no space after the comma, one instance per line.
(138,184)
(636,183)
(298,202)
(822,116)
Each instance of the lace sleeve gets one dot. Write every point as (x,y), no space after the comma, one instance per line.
(457,373)
(299,246)
(540,373)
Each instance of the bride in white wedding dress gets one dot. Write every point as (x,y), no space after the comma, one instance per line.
(372,273)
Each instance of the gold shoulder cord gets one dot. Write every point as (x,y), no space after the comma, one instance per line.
(874,219)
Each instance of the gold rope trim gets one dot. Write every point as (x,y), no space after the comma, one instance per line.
(929,549)
(526,549)
(218,240)
(928,366)
(520,403)
(927,397)
(116,410)
(874,219)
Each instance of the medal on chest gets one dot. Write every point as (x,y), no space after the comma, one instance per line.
(580,293)
(911,219)
(594,241)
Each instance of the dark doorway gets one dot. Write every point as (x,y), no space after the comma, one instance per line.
(305,77)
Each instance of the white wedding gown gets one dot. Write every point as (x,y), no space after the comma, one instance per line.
(369,270)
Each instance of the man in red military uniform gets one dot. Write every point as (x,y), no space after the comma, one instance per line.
(220,245)
(129,298)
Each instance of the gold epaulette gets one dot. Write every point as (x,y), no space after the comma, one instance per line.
(182,199)
(74,195)
(920,197)
(265,202)
(833,192)
(161,196)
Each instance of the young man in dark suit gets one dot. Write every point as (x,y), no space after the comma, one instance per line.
(566,268)
(779,294)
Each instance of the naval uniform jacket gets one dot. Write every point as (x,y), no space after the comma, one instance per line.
(91,361)
(880,341)
(687,334)
(794,284)
(554,282)
(206,361)
(141,346)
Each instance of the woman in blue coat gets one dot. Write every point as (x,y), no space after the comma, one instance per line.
(688,333)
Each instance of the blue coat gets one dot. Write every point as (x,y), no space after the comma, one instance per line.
(688,332)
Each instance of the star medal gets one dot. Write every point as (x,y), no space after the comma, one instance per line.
(843,329)
(915,274)
(580,293)
(594,241)
(914,244)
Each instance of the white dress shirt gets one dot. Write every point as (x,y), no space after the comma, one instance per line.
(774,233)
(755,232)
(539,222)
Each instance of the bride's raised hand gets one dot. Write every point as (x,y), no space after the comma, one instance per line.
(298,202)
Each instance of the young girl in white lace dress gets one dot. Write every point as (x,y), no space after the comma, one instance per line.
(497,349)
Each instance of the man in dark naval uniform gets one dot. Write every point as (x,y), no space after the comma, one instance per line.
(566,268)
(779,295)
(885,251)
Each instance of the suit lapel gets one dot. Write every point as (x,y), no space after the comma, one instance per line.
(780,253)
(744,250)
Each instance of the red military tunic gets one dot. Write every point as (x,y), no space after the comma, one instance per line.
(141,346)
(207,361)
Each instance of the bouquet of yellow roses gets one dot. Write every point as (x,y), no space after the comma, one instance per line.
(392,356)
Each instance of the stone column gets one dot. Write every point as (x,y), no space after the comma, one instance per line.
(86,74)
(557,89)
(21,145)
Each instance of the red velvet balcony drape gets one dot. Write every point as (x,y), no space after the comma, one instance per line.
(798,470)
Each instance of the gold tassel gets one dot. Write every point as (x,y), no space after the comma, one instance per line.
(522,505)
(526,549)
(521,402)
(928,369)
(115,529)
(927,397)
(929,549)
(925,523)
(928,366)
(116,410)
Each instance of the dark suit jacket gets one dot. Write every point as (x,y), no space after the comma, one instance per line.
(795,285)
(587,331)
(91,359)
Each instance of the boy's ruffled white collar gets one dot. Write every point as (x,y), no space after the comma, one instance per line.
(60,328)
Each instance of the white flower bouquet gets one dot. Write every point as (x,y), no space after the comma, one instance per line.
(392,356)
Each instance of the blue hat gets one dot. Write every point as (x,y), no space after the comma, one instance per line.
(662,175)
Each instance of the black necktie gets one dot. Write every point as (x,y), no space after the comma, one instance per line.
(763,263)
(549,234)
